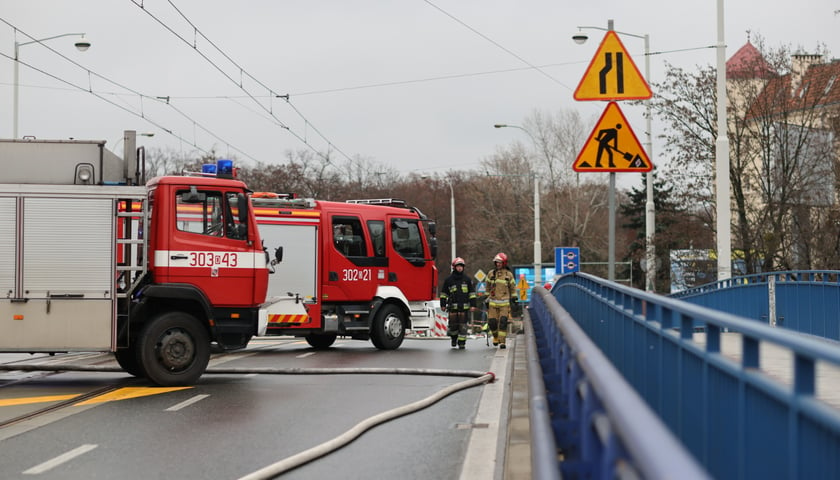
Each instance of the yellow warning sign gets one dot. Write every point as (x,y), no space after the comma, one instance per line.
(523,287)
(612,75)
(612,146)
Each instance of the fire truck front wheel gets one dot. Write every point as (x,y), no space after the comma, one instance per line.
(174,349)
(388,328)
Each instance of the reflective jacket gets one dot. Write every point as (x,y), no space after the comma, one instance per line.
(500,286)
(458,293)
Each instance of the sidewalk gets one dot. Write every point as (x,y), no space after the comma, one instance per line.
(517,463)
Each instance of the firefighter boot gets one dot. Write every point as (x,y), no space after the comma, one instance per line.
(495,339)
(502,338)
(454,340)
(462,342)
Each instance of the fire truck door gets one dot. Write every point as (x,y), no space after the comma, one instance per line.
(208,248)
(296,275)
(409,258)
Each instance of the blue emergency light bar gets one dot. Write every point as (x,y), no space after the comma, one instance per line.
(224,168)
(221,169)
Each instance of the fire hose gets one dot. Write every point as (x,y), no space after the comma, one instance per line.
(306,456)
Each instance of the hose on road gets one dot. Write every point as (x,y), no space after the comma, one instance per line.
(278,468)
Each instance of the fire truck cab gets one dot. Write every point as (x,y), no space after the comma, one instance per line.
(362,268)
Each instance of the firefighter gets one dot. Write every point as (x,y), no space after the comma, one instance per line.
(458,299)
(501,293)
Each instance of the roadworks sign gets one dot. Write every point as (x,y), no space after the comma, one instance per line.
(612,146)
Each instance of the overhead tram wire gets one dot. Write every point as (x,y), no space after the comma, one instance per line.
(497,44)
(239,84)
(140,114)
(453,76)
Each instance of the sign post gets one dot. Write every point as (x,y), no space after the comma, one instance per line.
(612,75)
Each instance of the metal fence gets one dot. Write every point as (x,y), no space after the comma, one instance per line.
(806,301)
(738,422)
(602,427)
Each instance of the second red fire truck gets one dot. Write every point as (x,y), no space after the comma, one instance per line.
(363,268)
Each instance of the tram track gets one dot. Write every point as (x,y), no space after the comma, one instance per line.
(63,404)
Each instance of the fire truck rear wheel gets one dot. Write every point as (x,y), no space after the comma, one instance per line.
(174,349)
(321,341)
(388,329)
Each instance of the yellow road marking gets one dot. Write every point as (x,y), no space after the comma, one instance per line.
(130,392)
(25,401)
(119,394)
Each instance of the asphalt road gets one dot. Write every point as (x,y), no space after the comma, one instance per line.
(230,425)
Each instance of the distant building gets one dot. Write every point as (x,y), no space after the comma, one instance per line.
(783,129)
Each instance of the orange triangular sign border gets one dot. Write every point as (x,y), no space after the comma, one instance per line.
(612,146)
(612,74)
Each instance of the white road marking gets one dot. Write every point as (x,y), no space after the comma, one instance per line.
(304,355)
(186,403)
(63,458)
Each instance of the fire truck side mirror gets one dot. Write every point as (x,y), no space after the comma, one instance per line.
(242,202)
(433,247)
(278,254)
(433,228)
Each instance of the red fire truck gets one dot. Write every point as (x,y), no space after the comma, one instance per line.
(362,268)
(91,259)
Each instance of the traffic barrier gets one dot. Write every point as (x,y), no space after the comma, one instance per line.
(441,324)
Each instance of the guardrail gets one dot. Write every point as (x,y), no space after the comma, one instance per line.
(737,422)
(806,301)
(603,427)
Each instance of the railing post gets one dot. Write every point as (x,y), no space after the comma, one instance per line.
(771,299)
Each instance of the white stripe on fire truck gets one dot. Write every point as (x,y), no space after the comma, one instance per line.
(208,259)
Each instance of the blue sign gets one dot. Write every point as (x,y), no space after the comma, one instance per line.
(566,260)
(546,274)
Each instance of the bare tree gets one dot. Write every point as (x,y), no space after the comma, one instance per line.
(781,158)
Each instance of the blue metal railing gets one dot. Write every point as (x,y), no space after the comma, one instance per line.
(734,419)
(602,426)
(806,301)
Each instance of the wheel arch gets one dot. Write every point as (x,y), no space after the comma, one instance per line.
(156,299)
(388,295)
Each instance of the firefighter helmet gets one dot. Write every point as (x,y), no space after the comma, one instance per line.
(501,257)
(458,261)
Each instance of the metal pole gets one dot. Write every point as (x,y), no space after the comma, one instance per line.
(611,249)
(724,214)
(537,243)
(650,228)
(611,259)
(452,216)
(15,90)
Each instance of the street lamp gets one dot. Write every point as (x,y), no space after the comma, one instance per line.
(650,229)
(724,214)
(451,213)
(537,243)
(143,134)
(82,45)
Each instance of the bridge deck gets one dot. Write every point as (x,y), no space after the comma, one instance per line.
(777,363)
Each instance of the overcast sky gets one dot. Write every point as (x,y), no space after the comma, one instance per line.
(413,84)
